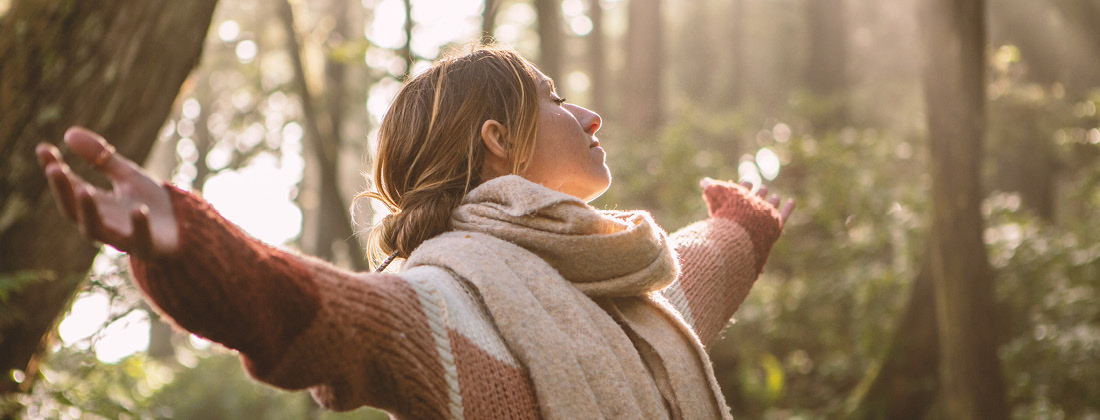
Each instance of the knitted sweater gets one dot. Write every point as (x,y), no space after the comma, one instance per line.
(419,347)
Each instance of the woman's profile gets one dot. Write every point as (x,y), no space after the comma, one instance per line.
(515,298)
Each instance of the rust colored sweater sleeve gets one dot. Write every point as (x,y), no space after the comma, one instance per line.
(297,322)
(721,257)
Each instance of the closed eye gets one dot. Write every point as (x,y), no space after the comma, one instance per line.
(558,100)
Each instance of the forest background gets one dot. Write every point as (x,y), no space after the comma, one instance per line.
(943,261)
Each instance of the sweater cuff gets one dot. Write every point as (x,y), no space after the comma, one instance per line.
(760,219)
(227,286)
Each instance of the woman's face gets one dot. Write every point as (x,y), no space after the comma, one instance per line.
(567,157)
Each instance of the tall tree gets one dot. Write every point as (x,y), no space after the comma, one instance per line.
(322,134)
(737,52)
(597,58)
(954,90)
(489,18)
(406,51)
(551,38)
(112,65)
(825,71)
(696,55)
(642,77)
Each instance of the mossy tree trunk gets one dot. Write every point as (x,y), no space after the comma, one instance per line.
(954,91)
(114,66)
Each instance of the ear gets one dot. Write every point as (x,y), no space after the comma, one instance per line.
(496,161)
(492,134)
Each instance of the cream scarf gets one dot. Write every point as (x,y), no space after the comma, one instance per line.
(572,291)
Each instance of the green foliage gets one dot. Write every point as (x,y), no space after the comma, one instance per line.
(819,318)
(1048,269)
(1047,285)
(213,386)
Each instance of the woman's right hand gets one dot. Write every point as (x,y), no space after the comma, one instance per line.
(135,215)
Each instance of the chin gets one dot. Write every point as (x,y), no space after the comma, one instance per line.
(596,193)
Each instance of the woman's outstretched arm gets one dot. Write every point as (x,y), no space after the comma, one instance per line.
(721,257)
(297,322)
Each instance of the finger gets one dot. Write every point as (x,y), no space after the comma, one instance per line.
(92,148)
(786,212)
(87,214)
(62,189)
(46,154)
(762,192)
(774,200)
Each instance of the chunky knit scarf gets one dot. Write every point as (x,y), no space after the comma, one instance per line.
(572,291)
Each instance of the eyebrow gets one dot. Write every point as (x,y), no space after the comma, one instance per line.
(550,82)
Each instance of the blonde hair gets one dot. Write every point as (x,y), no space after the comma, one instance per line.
(430,151)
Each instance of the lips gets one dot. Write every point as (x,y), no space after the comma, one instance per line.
(595,143)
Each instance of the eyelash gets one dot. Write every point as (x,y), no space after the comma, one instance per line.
(558,100)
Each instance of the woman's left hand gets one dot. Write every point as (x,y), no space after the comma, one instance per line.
(721,201)
(774,200)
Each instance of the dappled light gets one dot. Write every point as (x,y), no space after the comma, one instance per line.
(831,103)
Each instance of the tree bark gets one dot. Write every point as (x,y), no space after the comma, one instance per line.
(826,73)
(954,89)
(406,51)
(597,58)
(738,53)
(697,60)
(114,66)
(551,39)
(489,18)
(642,93)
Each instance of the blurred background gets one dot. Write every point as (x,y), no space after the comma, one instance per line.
(268,108)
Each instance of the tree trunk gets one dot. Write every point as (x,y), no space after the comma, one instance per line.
(954,89)
(406,51)
(114,66)
(202,139)
(738,53)
(826,73)
(597,58)
(322,138)
(489,18)
(696,63)
(905,384)
(642,93)
(551,39)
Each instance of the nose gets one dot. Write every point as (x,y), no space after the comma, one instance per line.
(590,120)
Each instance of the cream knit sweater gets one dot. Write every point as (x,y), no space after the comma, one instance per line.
(427,344)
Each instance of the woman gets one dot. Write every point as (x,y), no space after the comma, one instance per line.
(515,300)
